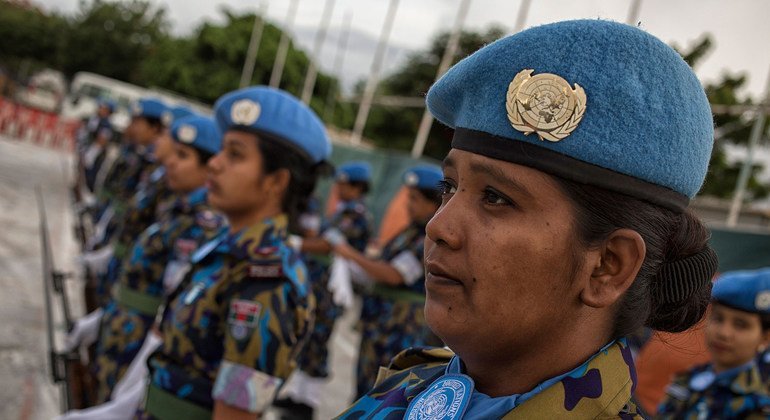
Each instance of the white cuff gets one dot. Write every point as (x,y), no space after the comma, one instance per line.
(410,268)
(245,388)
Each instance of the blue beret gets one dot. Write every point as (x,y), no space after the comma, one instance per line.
(746,290)
(424,177)
(275,115)
(356,171)
(151,108)
(181,111)
(593,101)
(199,132)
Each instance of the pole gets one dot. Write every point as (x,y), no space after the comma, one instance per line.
(743,176)
(633,12)
(312,70)
(446,61)
(371,83)
(254,41)
(339,58)
(521,19)
(283,46)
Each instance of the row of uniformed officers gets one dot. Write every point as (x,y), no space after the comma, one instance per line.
(557,226)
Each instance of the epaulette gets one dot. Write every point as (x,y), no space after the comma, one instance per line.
(415,356)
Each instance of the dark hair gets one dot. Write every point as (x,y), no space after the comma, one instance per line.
(203,156)
(154,123)
(668,236)
(764,318)
(363,185)
(277,155)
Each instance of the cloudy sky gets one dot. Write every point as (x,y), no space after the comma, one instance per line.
(740,27)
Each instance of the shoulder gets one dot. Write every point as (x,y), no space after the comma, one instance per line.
(420,362)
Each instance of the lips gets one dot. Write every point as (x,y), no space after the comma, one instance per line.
(719,347)
(437,274)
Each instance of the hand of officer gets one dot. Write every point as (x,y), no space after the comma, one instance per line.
(85,332)
(339,283)
(97,261)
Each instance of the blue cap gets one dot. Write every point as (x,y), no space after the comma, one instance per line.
(181,111)
(424,177)
(355,171)
(151,108)
(275,115)
(108,103)
(199,132)
(746,290)
(593,101)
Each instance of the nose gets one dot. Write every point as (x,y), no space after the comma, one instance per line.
(214,163)
(444,228)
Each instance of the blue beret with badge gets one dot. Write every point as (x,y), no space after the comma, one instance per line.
(199,132)
(424,177)
(152,108)
(180,111)
(275,115)
(745,290)
(593,101)
(355,171)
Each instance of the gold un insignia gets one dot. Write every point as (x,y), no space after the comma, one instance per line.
(544,104)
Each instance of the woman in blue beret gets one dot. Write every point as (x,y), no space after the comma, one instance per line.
(737,328)
(232,331)
(161,255)
(392,316)
(563,226)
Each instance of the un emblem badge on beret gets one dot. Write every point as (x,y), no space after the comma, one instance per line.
(762,301)
(411,179)
(544,104)
(187,133)
(245,112)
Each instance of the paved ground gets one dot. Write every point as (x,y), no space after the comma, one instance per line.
(26,391)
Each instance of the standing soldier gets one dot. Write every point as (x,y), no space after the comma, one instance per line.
(392,316)
(232,333)
(161,255)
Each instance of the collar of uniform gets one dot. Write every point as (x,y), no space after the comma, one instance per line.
(195,197)
(601,388)
(746,381)
(268,233)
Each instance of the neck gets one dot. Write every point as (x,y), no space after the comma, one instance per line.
(240,221)
(502,373)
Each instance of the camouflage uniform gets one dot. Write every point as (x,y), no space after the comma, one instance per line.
(393,317)
(599,388)
(354,222)
(161,253)
(701,394)
(233,332)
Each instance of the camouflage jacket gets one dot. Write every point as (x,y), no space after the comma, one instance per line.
(701,394)
(599,389)
(354,221)
(233,332)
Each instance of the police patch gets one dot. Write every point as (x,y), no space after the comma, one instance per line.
(243,317)
(446,399)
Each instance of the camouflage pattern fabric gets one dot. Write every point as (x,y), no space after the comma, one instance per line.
(164,246)
(742,395)
(600,389)
(354,221)
(235,329)
(390,325)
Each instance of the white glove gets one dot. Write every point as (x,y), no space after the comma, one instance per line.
(122,407)
(97,261)
(339,283)
(360,276)
(174,274)
(303,388)
(295,242)
(334,237)
(84,333)
(100,230)
(137,372)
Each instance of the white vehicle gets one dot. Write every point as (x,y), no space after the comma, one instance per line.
(87,89)
(45,91)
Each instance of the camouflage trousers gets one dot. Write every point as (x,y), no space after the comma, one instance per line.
(387,327)
(314,359)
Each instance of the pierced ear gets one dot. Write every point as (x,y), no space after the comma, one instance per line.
(621,258)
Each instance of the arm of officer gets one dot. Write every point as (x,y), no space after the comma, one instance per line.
(380,271)
(223,411)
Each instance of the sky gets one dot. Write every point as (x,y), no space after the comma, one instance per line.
(739,27)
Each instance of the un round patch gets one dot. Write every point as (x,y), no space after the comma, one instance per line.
(187,133)
(411,179)
(446,399)
(245,112)
(762,301)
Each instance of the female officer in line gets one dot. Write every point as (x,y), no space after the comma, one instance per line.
(233,331)
(161,255)
(563,226)
(392,316)
(737,328)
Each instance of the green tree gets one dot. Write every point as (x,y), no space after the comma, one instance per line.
(30,36)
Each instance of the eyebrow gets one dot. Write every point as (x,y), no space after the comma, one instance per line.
(493,172)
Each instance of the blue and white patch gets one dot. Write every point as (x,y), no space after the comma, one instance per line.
(446,399)
(702,380)
(196,291)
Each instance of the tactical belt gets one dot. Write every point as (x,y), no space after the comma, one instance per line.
(398,294)
(164,405)
(143,303)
